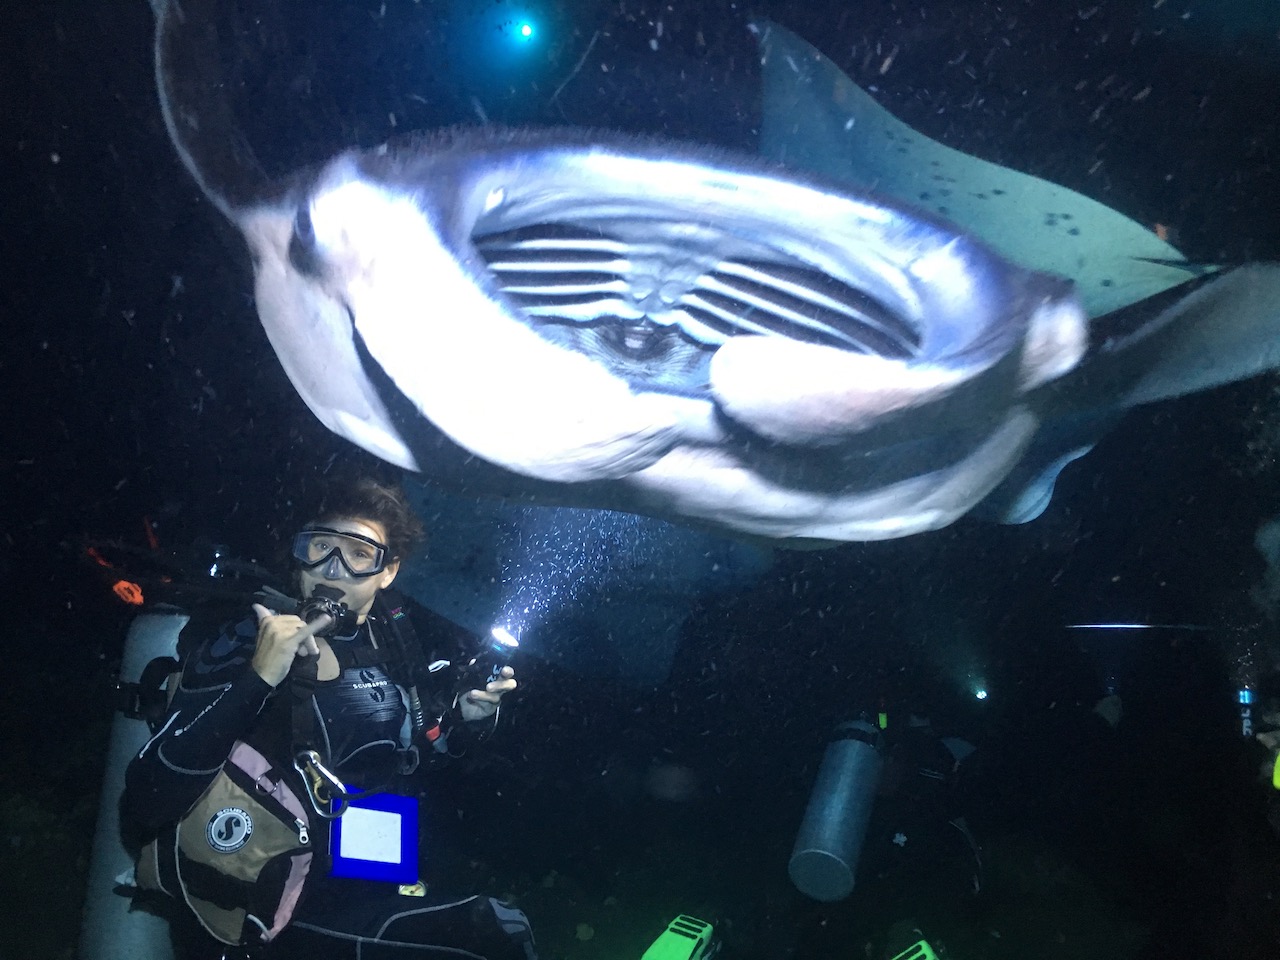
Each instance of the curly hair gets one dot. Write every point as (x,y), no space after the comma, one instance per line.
(364,498)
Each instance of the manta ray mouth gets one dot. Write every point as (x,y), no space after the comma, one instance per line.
(654,315)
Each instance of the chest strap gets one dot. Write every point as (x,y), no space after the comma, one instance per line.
(353,653)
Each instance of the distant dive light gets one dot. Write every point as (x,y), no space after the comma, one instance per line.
(976,684)
(517,30)
(1245,697)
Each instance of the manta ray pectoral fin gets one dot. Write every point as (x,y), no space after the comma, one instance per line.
(1226,330)
(201,124)
(1213,332)
(815,118)
(311,334)
(491,384)
(1218,330)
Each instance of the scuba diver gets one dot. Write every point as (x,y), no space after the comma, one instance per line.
(920,852)
(886,810)
(264,802)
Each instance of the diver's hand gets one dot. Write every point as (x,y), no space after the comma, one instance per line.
(281,639)
(479,704)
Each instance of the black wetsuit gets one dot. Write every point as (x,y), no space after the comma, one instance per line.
(362,733)
(918,835)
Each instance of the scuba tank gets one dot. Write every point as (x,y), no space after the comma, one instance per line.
(824,860)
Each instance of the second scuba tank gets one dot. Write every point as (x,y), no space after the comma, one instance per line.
(824,860)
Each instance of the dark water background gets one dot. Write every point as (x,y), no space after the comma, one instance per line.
(137,383)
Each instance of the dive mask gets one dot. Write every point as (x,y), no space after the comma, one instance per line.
(358,556)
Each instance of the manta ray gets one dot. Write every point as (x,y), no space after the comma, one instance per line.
(804,346)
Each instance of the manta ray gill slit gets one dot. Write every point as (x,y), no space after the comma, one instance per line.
(653,313)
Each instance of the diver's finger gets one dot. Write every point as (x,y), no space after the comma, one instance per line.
(312,627)
(498,687)
(306,639)
(261,612)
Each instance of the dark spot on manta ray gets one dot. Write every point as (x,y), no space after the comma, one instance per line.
(1107,283)
(997,191)
(303,228)
(944,211)
(1074,231)
(926,196)
(979,196)
(902,149)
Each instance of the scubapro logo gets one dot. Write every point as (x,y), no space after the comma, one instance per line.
(373,685)
(229,829)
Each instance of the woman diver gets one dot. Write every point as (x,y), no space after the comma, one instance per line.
(236,795)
